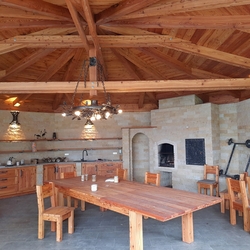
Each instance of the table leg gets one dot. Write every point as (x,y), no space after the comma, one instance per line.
(187,228)
(136,231)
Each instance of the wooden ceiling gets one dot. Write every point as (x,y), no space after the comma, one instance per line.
(149,49)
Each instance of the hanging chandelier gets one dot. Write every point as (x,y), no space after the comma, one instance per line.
(90,109)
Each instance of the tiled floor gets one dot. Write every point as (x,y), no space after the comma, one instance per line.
(95,230)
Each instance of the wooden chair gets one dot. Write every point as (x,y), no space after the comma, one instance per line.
(65,175)
(238,201)
(207,183)
(55,214)
(152,178)
(122,173)
(225,195)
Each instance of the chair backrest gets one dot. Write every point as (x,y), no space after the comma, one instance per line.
(122,173)
(248,185)
(243,177)
(152,178)
(211,170)
(43,192)
(65,175)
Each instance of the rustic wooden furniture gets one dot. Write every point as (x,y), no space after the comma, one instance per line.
(55,214)
(122,173)
(207,182)
(238,201)
(225,195)
(17,181)
(138,199)
(152,178)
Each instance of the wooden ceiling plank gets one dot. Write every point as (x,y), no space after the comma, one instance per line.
(122,8)
(39,7)
(21,99)
(206,74)
(128,86)
(92,29)
(76,60)
(26,62)
(129,66)
(141,64)
(78,24)
(63,59)
(23,14)
(168,60)
(187,22)
(174,7)
(6,48)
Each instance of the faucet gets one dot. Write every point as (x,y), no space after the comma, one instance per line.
(85,150)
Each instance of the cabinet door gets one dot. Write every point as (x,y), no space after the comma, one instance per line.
(62,168)
(108,169)
(89,168)
(26,179)
(8,182)
(49,172)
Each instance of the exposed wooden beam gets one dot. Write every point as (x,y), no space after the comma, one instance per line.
(126,41)
(122,8)
(19,23)
(57,101)
(128,86)
(39,7)
(92,30)
(141,100)
(187,22)
(78,24)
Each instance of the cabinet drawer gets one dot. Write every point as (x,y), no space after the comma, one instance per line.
(8,173)
(7,189)
(7,181)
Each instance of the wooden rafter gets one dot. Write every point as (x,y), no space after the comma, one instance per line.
(123,8)
(77,21)
(39,7)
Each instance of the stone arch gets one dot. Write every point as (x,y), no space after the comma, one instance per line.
(140,156)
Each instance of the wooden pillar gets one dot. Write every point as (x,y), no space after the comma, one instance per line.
(92,74)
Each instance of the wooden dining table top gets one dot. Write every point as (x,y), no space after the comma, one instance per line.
(160,203)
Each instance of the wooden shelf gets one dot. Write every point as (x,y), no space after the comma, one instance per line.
(57,150)
(64,139)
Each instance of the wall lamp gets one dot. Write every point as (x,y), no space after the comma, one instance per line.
(14,118)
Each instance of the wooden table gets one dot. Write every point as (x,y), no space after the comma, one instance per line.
(137,200)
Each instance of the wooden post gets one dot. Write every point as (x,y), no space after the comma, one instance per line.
(136,231)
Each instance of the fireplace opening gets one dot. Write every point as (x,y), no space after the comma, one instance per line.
(166,155)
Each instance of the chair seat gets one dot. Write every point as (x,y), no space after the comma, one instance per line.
(58,211)
(205,181)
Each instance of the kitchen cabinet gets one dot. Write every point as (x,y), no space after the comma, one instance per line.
(27,179)
(107,169)
(53,171)
(17,181)
(8,182)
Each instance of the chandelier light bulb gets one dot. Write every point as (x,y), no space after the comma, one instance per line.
(119,111)
(92,118)
(98,117)
(107,114)
(64,114)
(77,113)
